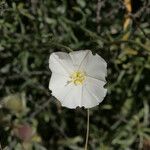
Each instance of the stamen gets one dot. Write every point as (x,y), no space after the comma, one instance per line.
(78,77)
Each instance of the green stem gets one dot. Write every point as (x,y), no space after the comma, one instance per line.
(62,46)
(87,131)
(131,42)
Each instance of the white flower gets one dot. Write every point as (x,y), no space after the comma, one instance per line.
(78,78)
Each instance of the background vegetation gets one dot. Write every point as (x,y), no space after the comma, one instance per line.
(30,118)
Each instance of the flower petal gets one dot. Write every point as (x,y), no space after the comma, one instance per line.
(58,85)
(95,87)
(73,98)
(96,67)
(88,99)
(78,57)
(60,62)
(79,96)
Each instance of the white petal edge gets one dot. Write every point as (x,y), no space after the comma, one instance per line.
(61,62)
(96,89)
(58,85)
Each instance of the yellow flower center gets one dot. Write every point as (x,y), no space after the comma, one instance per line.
(78,77)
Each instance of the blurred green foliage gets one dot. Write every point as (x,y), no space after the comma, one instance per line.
(30,118)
